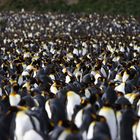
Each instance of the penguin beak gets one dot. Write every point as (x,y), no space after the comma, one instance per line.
(60,123)
(82,101)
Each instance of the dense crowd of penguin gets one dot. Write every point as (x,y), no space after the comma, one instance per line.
(69,77)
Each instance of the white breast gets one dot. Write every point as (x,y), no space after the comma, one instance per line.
(73,99)
(22,125)
(78,118)
(91,131)
(109,114)
(48,110)
(14,100)
(32,135)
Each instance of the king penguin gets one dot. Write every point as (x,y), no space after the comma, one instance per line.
(73,99)
(14,97)
(55,110)
(98,127)
(126,124)
(110,116)
(24,122)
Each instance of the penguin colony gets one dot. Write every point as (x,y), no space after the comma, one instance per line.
(69,77)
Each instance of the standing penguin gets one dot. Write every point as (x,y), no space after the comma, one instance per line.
(55,110)
(14,97)
(83,117)
(126,123)
(98,127)
(23,123)
(73,99)
(120,105)
(109,114)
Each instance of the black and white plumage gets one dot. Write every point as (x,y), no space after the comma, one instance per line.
(73,99)
(69,76)
(110,116)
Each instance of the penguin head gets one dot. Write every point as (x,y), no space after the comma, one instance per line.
(122,103)
(88,79)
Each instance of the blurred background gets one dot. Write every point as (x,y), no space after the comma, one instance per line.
(125,7)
